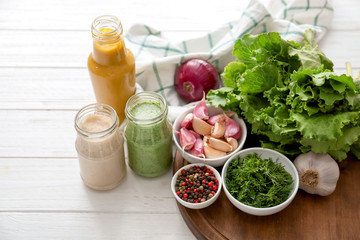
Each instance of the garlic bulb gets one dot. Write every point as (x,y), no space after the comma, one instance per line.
(318,173)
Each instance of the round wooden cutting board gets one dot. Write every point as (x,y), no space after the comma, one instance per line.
(308,217)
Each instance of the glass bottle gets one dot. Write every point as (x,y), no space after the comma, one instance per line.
(111,65)
(148,134)
(100,146)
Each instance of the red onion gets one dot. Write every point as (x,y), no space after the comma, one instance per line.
(194,78)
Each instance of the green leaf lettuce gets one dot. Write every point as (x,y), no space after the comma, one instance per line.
(289,95)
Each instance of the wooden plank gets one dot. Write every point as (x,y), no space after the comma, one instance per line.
(346,15)
(44,47)
(336,216)
(68,49)
(84,225)
(63,49)
(37,134)
(55,185)
(55,88)
(189,15)
(341,47)
(58,15)
(45,88)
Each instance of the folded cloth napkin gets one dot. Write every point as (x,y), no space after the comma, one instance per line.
(157,58)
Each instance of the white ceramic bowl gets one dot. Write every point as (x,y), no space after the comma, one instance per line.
(263,153)
(215,162)
(202,204)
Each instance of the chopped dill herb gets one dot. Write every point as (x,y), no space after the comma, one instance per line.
(258,183)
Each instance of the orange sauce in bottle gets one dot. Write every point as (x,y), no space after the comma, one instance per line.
(111,65)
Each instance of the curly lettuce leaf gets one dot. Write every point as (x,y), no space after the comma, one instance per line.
(290,97)
(227,98)
(314,91)
(259,79)
(254,49)
(324,127)
(232,74)
(309,43)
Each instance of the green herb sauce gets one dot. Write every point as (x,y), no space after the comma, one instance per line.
(258,183)
(146,110)
(149,144)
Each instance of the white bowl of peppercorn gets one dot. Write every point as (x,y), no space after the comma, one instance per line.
(196,185)
(260,181)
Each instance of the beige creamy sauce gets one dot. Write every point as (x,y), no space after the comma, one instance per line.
(96,123)
(102,160)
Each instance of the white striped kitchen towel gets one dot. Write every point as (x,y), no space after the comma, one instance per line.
(157,58)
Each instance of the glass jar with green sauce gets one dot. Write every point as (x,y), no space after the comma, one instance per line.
(148,134)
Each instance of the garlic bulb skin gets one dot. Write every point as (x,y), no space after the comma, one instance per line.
(318,173)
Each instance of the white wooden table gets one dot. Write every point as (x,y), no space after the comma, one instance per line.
(44,81)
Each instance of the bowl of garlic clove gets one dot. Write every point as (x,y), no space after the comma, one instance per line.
(209,135)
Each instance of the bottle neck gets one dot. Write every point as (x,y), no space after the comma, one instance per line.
(108,42)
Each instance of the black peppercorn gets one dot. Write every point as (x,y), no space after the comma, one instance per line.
(196,184)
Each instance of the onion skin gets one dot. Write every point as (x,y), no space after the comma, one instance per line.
(194,78)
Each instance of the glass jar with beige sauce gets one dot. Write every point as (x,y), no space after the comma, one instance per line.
(100,147)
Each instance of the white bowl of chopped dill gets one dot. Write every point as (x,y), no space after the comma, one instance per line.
(260,181)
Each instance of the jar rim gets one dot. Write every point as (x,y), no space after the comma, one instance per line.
(142,97)
(96,108)
(106,21)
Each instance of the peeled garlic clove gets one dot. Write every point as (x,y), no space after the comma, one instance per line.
(211,152)
(187,120)
(187,139)
(219,144)
(233,142)
(233,128)
(219,118)
(198,149)
(201,127)
(218,130)
(200,110)
(318,173)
